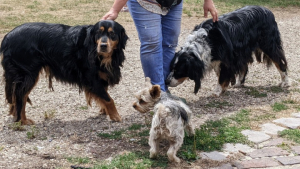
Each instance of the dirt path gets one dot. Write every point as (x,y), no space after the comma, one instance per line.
(73,129)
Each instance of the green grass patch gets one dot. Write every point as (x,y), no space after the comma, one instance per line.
(255,93)
(127,161)
(135,127)
(213,134)
(78,160)
(117,135)
(291,134)
(277,107)
(276,89)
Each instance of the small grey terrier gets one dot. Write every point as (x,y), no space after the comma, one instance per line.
(171,117)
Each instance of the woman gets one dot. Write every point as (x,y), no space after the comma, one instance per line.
(158,29)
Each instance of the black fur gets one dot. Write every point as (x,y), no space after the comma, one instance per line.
(231,40)
(68,53)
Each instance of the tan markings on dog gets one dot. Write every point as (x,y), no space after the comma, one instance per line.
(110,29)
(102,28)
(108,108)
(103,76)
(224,85)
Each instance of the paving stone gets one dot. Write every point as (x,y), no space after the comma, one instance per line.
(292,123)
(234,148)
(296,149)
(224,166)
(268,152)
(256,136)
(270,128)
(256,163)
(297,115)
(214,155)
(289,160)
(273,142)
(297,166)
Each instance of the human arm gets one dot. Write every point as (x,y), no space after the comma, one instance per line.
(209,6)
(113,13)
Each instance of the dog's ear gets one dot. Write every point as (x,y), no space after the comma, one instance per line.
(155,91)
(122,38)
(196,72)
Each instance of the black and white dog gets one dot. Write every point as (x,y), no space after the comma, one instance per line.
(227,46)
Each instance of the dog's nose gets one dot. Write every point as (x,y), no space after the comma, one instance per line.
(103,46)
(134,106)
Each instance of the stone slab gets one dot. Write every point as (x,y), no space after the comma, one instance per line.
(268,152)
(296,149)
(272,129)
(289,160)
(273,142)
(256,136)
(214,155)
(292,123)
(256,163)
(224,166)
(297,115)
(234,148)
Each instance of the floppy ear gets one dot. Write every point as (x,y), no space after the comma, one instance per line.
(123,39)
(90,44)
(155,91)
(196,72)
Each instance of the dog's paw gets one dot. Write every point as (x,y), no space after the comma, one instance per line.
(153,154)
(116,118)
(27,122)
(284,84)
(238,85)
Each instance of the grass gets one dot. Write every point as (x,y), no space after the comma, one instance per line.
(213,134)
(32,133)
(114,135)
(255,93)
(277,107)
(49,114)
(78,160)
(291,134)
(16,126)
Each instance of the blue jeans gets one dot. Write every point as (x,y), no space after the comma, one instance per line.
(158,35)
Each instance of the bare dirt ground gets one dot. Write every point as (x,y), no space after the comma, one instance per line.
(72,132)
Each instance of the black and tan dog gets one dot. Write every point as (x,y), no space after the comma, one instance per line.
(227,46)
(88,56)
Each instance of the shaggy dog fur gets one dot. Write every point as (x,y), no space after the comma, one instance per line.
(227,46)
(171,117)
(88,56)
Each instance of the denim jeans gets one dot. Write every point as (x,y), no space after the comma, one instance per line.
(158,35)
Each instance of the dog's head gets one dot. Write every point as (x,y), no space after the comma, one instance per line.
(108,35)
(106,41)
(185,66)
(147,97)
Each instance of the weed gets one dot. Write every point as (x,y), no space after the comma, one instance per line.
(83,107)
(32,134)
(276,89)
(78,160)
(255,93)
(17,126)
(291,134)
(1,148)
(49,115)
(114,135)
(277,107)
(144,133)
(289,101)
(135,127)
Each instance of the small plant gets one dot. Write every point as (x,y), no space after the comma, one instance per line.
(83,107)
(277,107)
(32,134)
(291,134)
(17,126)
(255,93)
(114,135)
(1,148)
(78,160)
(135,127)
(49,115)
(276,89)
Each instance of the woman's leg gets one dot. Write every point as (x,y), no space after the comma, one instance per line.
(149,28)
(170,31)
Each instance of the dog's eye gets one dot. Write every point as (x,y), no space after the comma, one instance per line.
(141,101)
(112,34)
